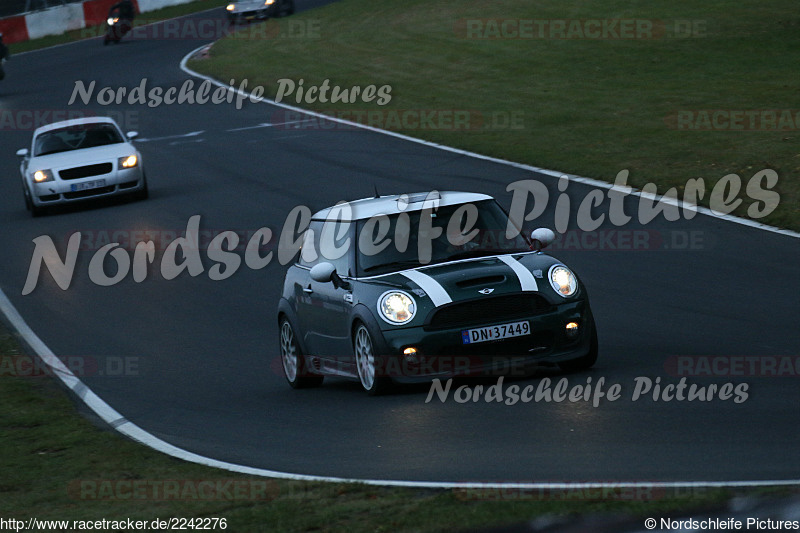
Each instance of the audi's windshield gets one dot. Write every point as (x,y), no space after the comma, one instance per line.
(75,138)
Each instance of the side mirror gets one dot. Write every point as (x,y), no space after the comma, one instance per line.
(542,238)
(131,135)
(323,272)
(22,152)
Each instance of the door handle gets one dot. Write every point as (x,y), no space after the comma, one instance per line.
(308,290)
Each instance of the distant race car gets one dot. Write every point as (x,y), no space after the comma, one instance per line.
(77,160)
(247,10)
(379,295)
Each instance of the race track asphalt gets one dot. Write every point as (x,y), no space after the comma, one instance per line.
(203,366)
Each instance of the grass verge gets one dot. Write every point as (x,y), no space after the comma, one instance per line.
(588,106)
(57,465)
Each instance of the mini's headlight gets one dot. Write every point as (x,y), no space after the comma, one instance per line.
(128,162)
(397,307)
(231,7)
(269,2)
(40,176)
(563,280)
(112,20)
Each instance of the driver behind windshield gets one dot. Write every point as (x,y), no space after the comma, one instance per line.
(415,242)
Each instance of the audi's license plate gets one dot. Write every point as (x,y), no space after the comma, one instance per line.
(94,184)
(493,333)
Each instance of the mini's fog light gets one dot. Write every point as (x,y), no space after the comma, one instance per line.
(410,354)
(572,330)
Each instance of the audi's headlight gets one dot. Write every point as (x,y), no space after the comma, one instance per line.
(397,307)
(563,280)
(128,162)
(112,20)
(40,176)
(231,7)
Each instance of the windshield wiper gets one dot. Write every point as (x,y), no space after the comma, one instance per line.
(483,252)
(393,264)
(52,152)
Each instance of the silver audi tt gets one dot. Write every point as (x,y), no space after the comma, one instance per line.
(77,160)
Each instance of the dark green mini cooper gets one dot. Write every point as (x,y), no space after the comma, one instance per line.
(434,285)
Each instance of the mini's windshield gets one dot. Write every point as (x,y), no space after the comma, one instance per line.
(389,243)
(75,138)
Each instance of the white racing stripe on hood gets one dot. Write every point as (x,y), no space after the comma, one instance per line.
(526,279)
(432,287)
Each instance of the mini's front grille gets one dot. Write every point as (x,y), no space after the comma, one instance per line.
(85,171)
(537,343)
(88,192)
(494,309)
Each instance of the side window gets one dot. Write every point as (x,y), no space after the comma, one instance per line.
(330,242)
(336,245)
(309,255)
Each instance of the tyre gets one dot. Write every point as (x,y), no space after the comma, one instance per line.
(364,352)
(142,194)
(27,195)
(294,364)
(286,8)
(588,360)
(29,205)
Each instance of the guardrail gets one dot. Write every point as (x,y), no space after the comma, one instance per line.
(70,16)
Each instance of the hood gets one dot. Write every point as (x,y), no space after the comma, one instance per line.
(476,278)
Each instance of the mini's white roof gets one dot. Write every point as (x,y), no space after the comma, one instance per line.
(74,122)
(388,205)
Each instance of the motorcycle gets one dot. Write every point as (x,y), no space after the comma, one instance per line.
(116,28)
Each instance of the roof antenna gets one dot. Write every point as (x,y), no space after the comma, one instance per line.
(376,191)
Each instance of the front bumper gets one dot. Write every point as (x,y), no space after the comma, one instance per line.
(249,13)
(121,181)
(442,354)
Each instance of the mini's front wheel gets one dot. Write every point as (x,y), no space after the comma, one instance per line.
(368,371)
(294,364)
